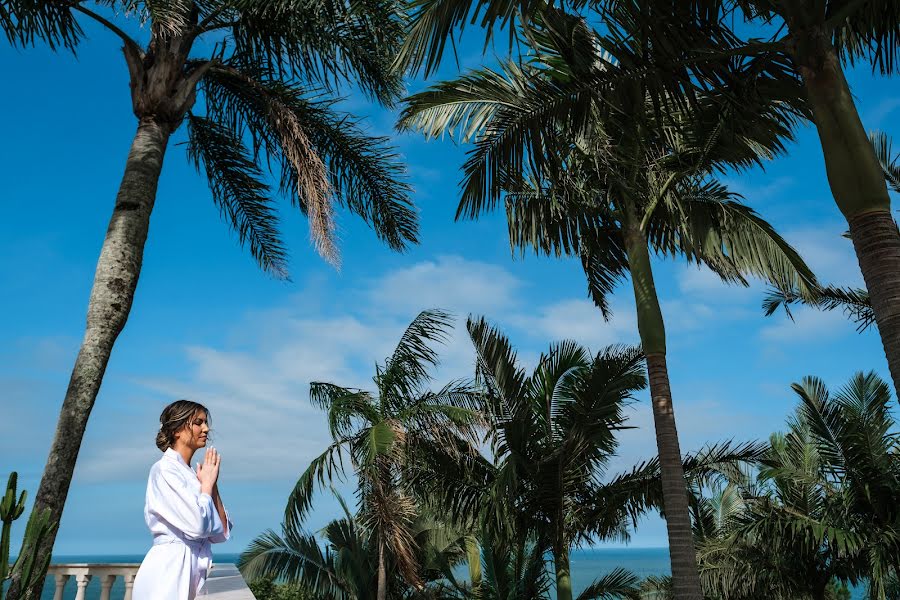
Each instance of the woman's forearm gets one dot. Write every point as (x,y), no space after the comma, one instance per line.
(220,507)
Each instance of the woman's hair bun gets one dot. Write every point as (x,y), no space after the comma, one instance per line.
(173,418)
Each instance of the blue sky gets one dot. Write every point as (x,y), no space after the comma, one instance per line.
(208,325)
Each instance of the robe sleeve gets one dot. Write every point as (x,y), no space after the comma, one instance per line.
(218,538)
(170,498)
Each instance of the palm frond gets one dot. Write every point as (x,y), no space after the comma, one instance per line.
(327,43)
(706,224)
(434,23)
(25,22)
(496,360)
(407,369)
(618,584)
(866,30)
(890,162)
(344,406)
(324,467)
(242,100)
(854,302)
(238,191)
(364,172)
(294,557)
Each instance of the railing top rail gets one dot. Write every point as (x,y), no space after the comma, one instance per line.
(94,565)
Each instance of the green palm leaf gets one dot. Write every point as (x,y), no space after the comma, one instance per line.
(238,191)
(25,22)
(705,224)
(854,302)
(615,585)
(889,161)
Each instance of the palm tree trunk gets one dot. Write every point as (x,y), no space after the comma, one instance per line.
(685,576)
(857,183)
(382,573)
(115,280)
(563,574)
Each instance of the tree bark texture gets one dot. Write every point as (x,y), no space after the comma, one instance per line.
(877,244)
(110,302)
(857,183)
(683,559)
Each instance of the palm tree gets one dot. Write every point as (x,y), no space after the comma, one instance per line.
(606,176)
(265,92)
(680,49)
(551,435)
(821,510)
(349,564)
(519,571)
(810,42)
(383,434)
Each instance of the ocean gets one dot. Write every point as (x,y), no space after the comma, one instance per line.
(586,565)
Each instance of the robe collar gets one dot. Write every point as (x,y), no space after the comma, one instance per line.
(176,456)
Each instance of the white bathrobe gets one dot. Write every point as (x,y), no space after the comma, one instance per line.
(184,523)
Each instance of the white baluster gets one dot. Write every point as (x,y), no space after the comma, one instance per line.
(129,583)
(106,583)
(81,579)
(60,584)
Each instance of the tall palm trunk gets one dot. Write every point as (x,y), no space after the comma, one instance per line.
(563,573)
(685,576)
(115,280)
(382,573)
(857,184)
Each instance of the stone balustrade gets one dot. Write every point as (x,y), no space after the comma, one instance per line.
(224,582)
(84,572)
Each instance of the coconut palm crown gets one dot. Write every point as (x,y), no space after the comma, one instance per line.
(383,436)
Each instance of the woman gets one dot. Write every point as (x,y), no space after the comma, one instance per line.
(183,508)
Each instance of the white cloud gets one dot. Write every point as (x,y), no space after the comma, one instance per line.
(257,386)
(703,284)
(448,282)
(581,321)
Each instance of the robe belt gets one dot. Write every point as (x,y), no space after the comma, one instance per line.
(202,548)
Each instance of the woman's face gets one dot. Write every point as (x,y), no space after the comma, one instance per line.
(194,433)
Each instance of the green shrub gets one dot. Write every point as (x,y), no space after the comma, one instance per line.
(267,589)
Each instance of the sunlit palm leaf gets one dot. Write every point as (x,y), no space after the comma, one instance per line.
(295,557)
(407,369)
